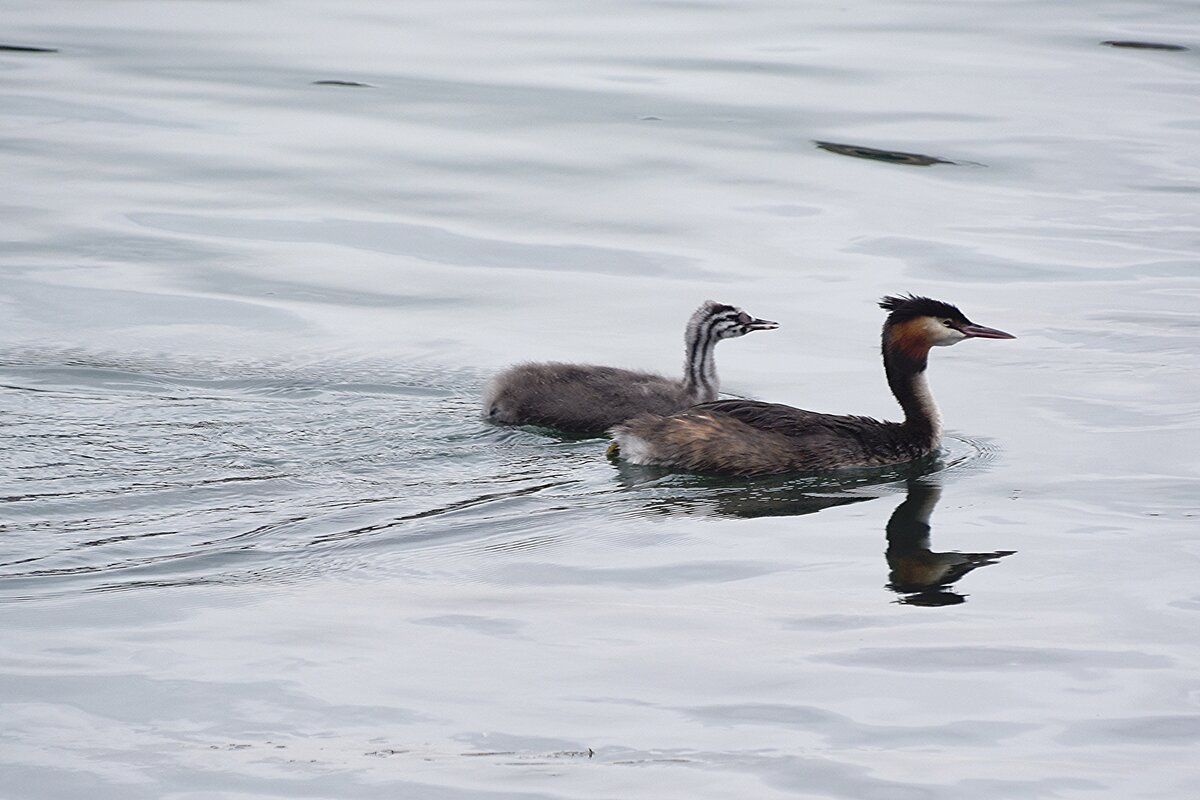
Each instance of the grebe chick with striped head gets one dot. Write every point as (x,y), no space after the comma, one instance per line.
(745,437)
(587,399)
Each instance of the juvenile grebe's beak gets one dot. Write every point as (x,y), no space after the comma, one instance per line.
(761,325)
(980,332)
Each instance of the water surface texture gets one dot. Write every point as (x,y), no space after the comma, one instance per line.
(259,259)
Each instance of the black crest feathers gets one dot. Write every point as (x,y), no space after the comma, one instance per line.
(906,307)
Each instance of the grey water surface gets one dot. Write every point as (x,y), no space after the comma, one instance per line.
(259,259)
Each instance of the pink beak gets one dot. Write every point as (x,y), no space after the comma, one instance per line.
(981,332)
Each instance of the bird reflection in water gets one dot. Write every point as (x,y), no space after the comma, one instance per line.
(919,575)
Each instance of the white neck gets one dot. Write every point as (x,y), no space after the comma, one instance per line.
(924,400)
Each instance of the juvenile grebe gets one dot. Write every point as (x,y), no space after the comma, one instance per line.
(587,399)
(745,437)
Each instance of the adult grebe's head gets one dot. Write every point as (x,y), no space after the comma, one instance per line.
(916,324)
(720,321)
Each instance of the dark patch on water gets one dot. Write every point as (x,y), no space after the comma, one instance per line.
(17,48)
(888,156)
(334,82)
(1136,45)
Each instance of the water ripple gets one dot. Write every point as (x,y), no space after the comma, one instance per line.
(129,473)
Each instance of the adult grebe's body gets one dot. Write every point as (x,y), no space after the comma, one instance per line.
(587,399)
(745,437)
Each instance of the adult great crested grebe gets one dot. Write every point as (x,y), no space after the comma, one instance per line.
(587,399)
(746,437)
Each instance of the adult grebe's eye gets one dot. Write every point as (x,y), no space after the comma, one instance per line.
(948,323)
